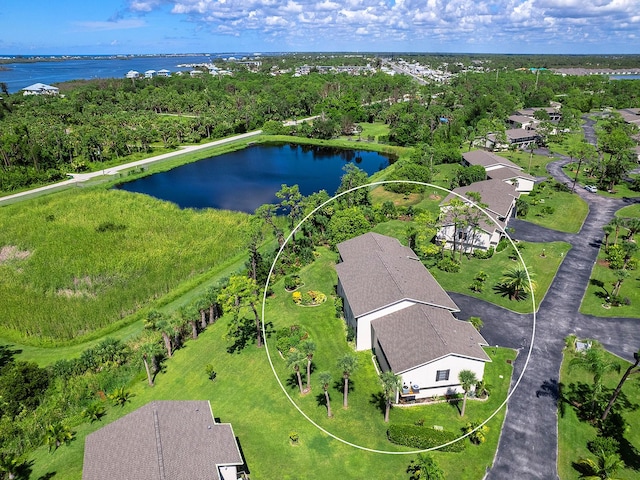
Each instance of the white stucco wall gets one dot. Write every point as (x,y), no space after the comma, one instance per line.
(483,240)
(228,472)
(425,375)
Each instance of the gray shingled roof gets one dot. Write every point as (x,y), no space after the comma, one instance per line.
(420,334)
(164,440)
(507,173)
(488,159)
(377,271)
(496,194)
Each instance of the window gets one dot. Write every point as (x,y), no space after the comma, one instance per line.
(442,375)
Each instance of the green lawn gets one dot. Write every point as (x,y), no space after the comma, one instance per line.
(621,190)
(574,434)
(246,394)
(532,164)
(560,211)
(542,260)
(541,268)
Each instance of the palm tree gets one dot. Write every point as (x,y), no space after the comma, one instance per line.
(308,348)
(347,364)
(425,468)
(467,379)
(120,396)
(94,412)
(594,362)
(617,224)
(515,284)
(390,385)
(325,381)
(295,360)
(633,368)
(603,467)
(58,434)
(621,275)
(478,436)
(608,230)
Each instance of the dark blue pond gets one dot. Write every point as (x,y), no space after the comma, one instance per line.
(248,178)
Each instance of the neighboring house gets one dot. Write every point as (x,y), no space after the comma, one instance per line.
(498,199)
(164,73)
(631,115)
(401,312)
(149,74)
(132,74)
(553,112)
(522,121)
(500,168)
(40,89)
(163,440)
(522,138)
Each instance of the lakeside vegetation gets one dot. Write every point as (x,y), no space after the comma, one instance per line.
(82,260)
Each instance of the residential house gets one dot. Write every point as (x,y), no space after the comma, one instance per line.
(400,311)
(498,199)
(163,440)
(500,168)
(522,121)
(132,74)
(40,89)
(553,112)
(149,74)
(164,73)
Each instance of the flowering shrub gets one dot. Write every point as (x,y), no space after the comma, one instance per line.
(297,297)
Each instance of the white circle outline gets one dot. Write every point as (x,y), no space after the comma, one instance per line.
(354,445)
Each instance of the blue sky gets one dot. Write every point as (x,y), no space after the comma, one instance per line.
(194,26)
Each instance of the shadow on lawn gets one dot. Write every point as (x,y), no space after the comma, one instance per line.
(245,333)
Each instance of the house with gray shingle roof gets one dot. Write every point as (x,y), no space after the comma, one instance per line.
(500,168)
(497,199)
(163,440)
(400,311)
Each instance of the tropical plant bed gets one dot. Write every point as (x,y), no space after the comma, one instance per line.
(574,432)
(310,298)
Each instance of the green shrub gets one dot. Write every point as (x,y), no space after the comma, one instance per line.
(449,265)
(607,445)
(483,255)
(476,286)
(502,244)
(291,282)
(415,436)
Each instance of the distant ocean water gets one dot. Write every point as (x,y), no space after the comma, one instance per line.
(624,77)
(20,75)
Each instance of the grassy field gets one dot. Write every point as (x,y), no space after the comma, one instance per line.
(532,164)
(573,434)
(621,190)
(560,211)
(90,258)
(246,394)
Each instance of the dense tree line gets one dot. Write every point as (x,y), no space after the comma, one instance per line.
(93,123)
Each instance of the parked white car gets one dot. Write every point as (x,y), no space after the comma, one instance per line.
(591,188)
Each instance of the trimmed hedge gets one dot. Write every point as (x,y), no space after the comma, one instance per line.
(423,437)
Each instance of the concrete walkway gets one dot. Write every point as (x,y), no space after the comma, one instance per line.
(529,440)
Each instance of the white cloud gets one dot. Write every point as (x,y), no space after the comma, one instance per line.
(122,24)
(425,22)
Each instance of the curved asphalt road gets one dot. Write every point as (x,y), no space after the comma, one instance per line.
(529,440)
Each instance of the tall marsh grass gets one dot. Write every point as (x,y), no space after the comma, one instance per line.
(88,258)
